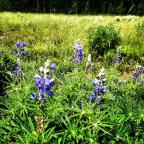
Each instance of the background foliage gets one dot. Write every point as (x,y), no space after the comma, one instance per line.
(75,6)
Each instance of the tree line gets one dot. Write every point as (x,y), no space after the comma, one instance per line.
(135,7)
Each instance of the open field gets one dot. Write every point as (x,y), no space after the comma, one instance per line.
(69,115)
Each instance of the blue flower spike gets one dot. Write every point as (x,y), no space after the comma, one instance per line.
(100,84)
(45,82)
(78,50)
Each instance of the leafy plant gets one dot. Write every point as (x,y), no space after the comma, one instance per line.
(101,39)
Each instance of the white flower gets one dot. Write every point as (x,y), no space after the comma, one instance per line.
(89,58)
(101,72)
(78,46)
(41,69)
(96,81)
(47,63)
(139,67)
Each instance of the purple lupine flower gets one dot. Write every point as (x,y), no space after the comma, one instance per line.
(48,84)
(96,91)
(78,56)
(17,71)
(18,54)
(42,99)
(22,52)
(18,44)
(99,82)
(95,82)
(41,93)
(33,96)
(49,93)
(51,82)
(103,90)
(39,82)
(80,51)
(24,44)
(25,53)
(52,66)
(119,58)
(47,87)
(135,75)
(99,100)
(92,97)
(45,83)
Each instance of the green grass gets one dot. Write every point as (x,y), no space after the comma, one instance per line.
(69,117)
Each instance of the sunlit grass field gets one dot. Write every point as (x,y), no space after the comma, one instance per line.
(68,117)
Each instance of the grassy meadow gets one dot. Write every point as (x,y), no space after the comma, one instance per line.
(68,117)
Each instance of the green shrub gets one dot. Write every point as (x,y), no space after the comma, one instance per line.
(101,39)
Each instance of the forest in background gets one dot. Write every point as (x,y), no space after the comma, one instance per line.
(118,7)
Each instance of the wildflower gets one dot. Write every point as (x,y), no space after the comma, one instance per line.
(135,75)
(52,66)
(41,69)
(89,63)
(24,44)
(45,82)
(139,67)
(49,93)
(33,96)
(42,99)
(17,71)
(100,83)
(119,58)
(99,100)
(95,82)
(78,56)
(18,44)
(92,97)
(103,90)
(101,73)
(39,81)
(20,54)
(96,91)
(47,63)
(139,74)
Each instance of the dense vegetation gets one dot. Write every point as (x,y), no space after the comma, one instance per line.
(75,6)
(68,116)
